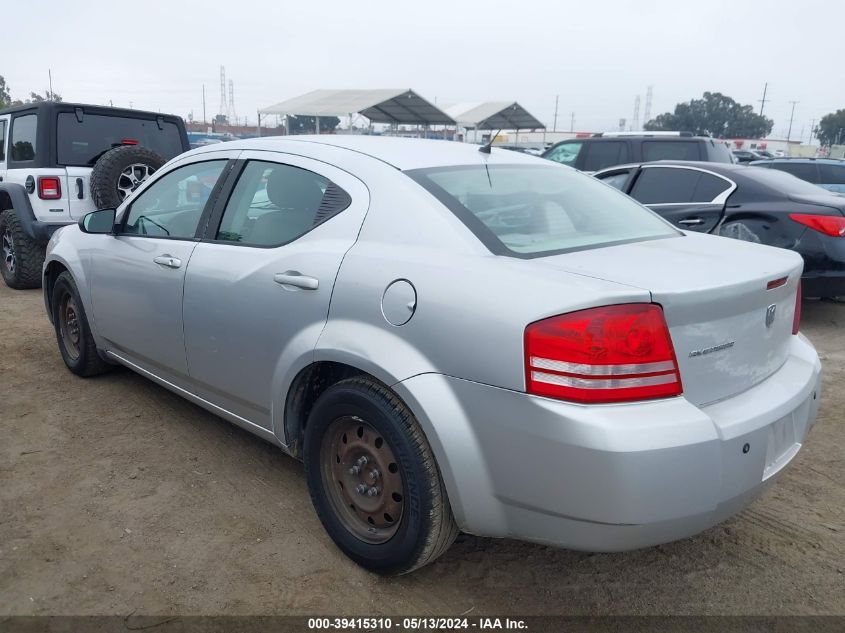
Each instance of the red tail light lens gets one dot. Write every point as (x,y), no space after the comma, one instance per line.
(615,353)
(832,225)
(49,188)
(129,141)
(796,318)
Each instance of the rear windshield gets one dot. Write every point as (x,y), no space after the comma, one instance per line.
(530,211)
(81,144)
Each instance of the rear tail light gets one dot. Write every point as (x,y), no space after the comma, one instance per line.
(616,353)
(796,318)
(832,225)
(49,188)
(129,141)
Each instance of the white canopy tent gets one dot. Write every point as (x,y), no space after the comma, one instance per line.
(395,107)
(494,115)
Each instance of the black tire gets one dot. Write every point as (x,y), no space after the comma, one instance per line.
(84,360)
(426,527)
(22,256)
(108,187)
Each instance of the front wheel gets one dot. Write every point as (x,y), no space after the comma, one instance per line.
(73,334)
(373,479)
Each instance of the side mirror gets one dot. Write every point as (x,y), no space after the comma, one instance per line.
(99,222)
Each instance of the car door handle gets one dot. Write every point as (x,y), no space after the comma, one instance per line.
(167,261)
(296,279)
(691,221)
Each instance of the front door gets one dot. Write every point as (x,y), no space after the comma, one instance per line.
(258,288)
(689,197)
(138,275)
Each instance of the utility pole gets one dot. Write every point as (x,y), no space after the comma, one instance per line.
(554,125)
(50,75)
(812,130)
(572,122)
(791,116)
(203,104)
(763,100)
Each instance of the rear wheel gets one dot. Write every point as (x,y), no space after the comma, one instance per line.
(23,257)
(373,479)
(73,334)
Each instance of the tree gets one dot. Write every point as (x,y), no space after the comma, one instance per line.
(5,97)
(308,124)
(716,115)
(831,128)
(34,97)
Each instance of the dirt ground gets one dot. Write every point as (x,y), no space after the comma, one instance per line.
(117,497)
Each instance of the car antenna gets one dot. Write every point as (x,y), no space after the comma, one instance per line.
(485,149)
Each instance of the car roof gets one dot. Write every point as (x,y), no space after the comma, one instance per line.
(402,153)
(696,164)
(64,106)
(801,159)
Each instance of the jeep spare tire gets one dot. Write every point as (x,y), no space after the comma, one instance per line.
(119,172)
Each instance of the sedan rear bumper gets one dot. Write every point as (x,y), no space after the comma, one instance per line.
(611,477)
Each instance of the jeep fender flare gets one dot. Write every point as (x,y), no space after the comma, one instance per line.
(18,201)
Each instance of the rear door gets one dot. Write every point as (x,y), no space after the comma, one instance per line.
(690,198)
(258,287)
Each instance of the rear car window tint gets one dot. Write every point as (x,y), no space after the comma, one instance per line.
(661,185)
(709,187)
(81,143)
(23,146)
(804,171)
(832,174)
(670,150)
(535,210)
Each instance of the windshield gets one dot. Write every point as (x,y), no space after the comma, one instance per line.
(529,211)
(81,144)
(786,183)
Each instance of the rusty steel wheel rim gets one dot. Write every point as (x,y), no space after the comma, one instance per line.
(362,480)
(69,325)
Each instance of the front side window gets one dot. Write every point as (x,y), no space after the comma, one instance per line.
(273,204)
(23,137)
(565,153)
(617,179)
(531,211)
(603,154)
(172,206)
(670,150)
(832,174)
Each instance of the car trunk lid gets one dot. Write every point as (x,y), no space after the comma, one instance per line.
(730,329)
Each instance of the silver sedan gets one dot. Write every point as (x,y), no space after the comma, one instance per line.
(450,339)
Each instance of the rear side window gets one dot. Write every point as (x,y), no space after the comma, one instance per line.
(616,180)
(273,204)
(709,187)
(23,137)
(82,143)
(670,150)
(718,152)
(601,154)
(530,211)
(804,171)
(2,141)
(661,185)
(565,153)
(832,174)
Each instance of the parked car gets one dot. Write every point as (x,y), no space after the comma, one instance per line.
(824,172)
(748,203)
(617,148)
(59,161)
(450,339)
(746,155)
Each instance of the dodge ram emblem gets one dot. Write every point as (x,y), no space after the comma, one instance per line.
(770,315)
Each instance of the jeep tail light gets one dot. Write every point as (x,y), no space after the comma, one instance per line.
(49,188)
(129,141)
(616,353)
(796,318)
(832,225)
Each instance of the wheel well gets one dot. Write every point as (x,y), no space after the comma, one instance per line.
(5,201)
(309,384)
(53,270)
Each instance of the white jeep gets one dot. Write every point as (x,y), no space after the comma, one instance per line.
(58,161)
